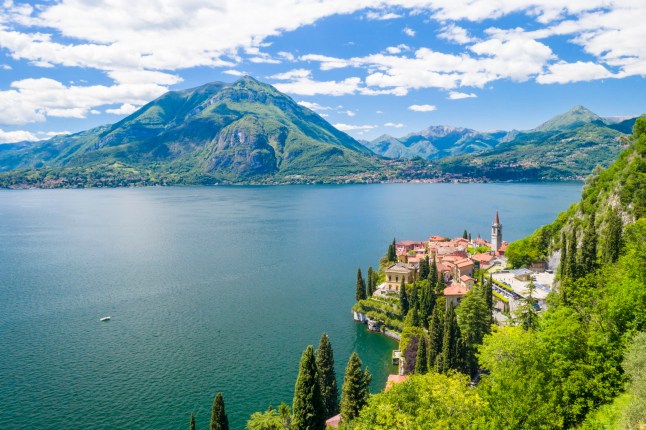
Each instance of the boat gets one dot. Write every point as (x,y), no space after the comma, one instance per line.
(105,318)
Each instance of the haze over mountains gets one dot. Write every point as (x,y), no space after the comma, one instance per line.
(248,131)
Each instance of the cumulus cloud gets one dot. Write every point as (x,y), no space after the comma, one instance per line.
(422,108)
(381,15)
(408,31)
(24,135)
(456,95)
(124,109)
(350,127)
(455,33)
(313,106)
(395,125)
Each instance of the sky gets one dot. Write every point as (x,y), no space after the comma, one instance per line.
(369,67)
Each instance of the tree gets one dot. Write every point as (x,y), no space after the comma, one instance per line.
(421,364)
(432,274)
(361,287)
(452,355)
(426,303)
(465,235)
(327,377)
(474,319)
(308,412)
(412,319)
(392,251)
(403,300)
(564,260)
(423,268)
(356,388)
(413,297)
(371,282)
(440,284)
(219,419)
(192,427)
(269,420)
(589,246)
(487,293)
(612,244)
(526,313)
(435,334)
(572,262)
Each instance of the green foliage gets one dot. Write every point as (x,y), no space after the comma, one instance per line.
(435,335)
(219,419)
(453,354)
(327,377)
(356,389)
(634,415)
(372,282)
(307,407)
(421,363)
(424,269)
(392,251)
(403,300)
(474,319)
(269,420)
(360,290)
(192,423)
(430,401)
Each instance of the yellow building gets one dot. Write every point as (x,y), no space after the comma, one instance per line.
(397,272)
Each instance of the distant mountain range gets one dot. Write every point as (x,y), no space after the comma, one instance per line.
(249,132)
(235,132)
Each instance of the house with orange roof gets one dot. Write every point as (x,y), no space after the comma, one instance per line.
(454,294)
(398,272)
(467,281)
(483,261)
(463,267)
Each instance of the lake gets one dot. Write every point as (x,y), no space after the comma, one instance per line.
(209,289)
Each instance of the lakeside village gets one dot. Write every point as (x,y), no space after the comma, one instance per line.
(420,285)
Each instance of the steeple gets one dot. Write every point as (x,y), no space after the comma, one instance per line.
(496,233)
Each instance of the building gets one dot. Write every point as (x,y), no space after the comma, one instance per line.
(454,294)
(496,234)
(398,272)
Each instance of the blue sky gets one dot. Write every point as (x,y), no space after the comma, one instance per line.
(369,67)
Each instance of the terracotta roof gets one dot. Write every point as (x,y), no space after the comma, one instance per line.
(455,290)
(395,379)
(437,239)
(467,278)
(408,243)
(398,267)
(333,422)
(482,258)
(464,263)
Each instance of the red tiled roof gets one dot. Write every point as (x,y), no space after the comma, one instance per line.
(482,258)
(455,290)
(467,278)
(437,239)
(395,379)
(464,263)
(333,422)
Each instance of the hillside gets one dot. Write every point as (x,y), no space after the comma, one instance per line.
(580,363)
(235,132)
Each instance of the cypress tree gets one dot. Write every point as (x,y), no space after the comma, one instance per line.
(440,284)
(465,234)
(564,260)
(451,357)
(526,313)
(327,377)
(432,274)
(361,286)
(589,246)
(613,237)
(423,268)
(307,408)
(413,297)
(392,251)
(426,302)
(474,319)
(356,388)
(435,334)
(421,365)
(572,263)
(403,301)
(371,282)
(219,419)
(192,422)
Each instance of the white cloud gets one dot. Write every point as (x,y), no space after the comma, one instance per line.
(5,67)
(233,72)
(348,113)
(382,15)
(409,31)
(33,100)
(563,73)
(287,56)
(456,95)
(292,74)
(124,109)
(313,106)
(301,83)
(350,127)
(395,125)
(397,49)
(455,33)
(422,108)
(24,135)
(379,112)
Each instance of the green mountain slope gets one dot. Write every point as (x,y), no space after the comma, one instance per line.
(575,117)
(242,131)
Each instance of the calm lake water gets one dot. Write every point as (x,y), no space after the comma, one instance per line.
(209,289)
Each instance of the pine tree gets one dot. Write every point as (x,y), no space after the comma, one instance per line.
(572,262)
(403,301)
(526,313)
(465,234)
(474,319)
(435,334)
(219,419)
(192,422)
(392,251)
(487,294)
(361,287)
(440,284)
(413,297)
(452,353)
(426,303)
(423,268)
(327,377)
(356,388)
(307,408)
(371,285)
(421,365)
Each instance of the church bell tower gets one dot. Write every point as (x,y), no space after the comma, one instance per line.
(496,233)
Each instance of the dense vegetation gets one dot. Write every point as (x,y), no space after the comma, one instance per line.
(580,363)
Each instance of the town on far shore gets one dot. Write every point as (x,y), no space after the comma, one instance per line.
(460,265)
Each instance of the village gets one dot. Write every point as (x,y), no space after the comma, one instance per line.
(462,263)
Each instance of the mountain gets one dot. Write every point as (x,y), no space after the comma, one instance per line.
(235,132)
(575,117)
(435,142)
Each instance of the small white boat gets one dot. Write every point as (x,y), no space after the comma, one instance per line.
(105,319)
